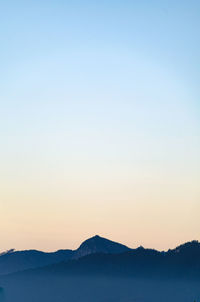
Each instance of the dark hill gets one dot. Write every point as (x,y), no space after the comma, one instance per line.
(99,244)
(21,260)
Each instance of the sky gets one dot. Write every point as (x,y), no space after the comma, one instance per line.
(99,122)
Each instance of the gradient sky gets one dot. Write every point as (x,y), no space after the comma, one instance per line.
(100,122)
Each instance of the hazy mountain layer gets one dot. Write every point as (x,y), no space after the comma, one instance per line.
(58,288)
(137,275)
(101,256)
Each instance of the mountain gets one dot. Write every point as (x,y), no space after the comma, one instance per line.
(180,263)
(134,275)
(190,249)
(99,244)
(98,255)
(13,261)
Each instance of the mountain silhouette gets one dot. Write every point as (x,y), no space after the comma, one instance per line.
(100,256)
(99,244)
(21,260)
(182,262)
(107,272)
(13,261)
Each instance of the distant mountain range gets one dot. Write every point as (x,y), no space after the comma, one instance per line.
(13,261)
(99,256)
(102,270)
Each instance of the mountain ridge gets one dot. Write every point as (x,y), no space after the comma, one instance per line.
(136,263)
(32,259)
(12,260)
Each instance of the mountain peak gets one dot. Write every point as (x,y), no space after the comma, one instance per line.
(191,247)
(98,244)
(95,237)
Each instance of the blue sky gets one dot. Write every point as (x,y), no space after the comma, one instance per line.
(99,108)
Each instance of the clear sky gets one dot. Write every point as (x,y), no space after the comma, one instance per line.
(99,122)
